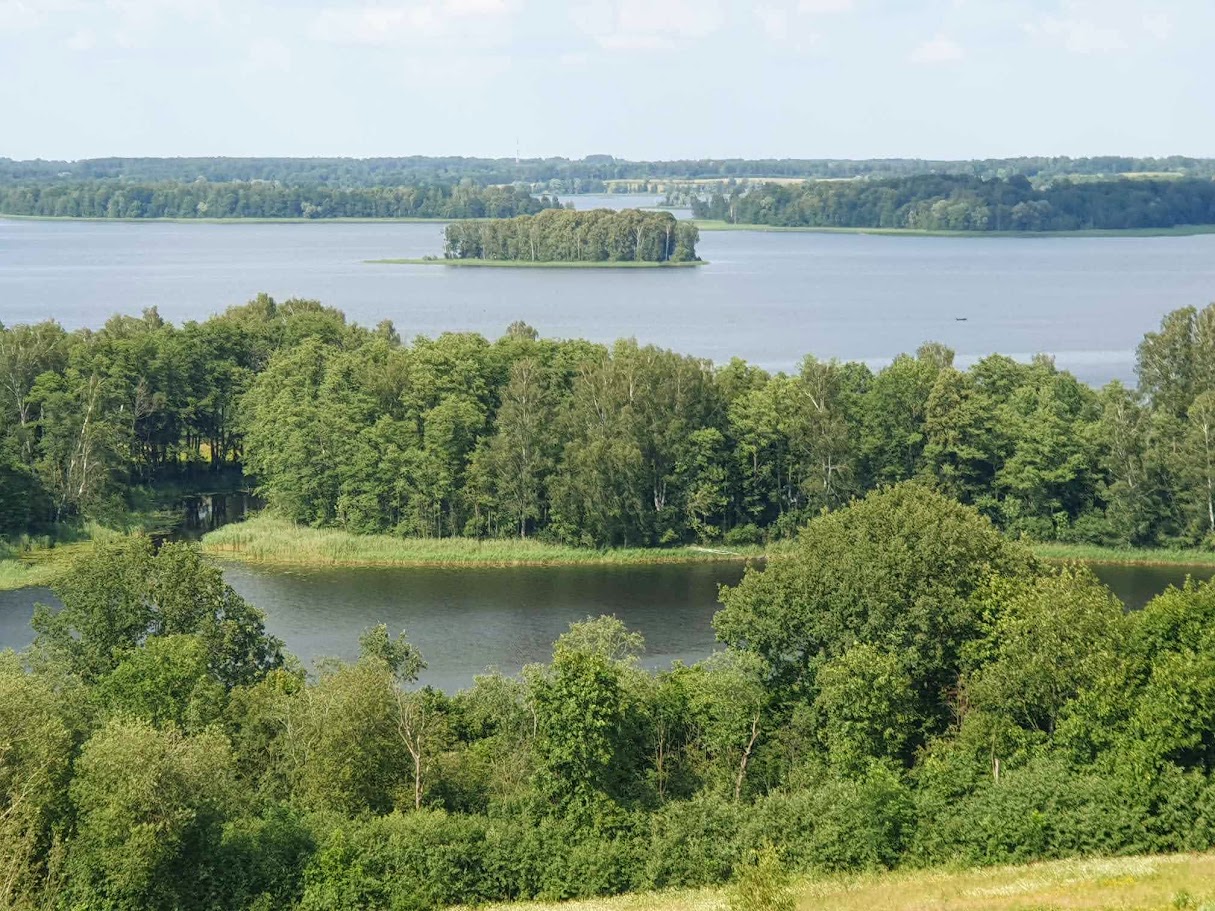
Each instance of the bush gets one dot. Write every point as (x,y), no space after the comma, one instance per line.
(762,885)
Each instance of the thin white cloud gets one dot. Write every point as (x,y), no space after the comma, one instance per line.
(1077,35)
(647,25)
(479,23)
(938,49)
(1088,27)
(825,6)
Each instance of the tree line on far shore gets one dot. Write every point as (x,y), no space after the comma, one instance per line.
(589,444)
(566,235)
(566,175)
(938,202)
(259,199)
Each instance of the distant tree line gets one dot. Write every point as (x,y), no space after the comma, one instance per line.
(589,172)
(960,203)
(566,235)
(256,199)
(341,425)
(901,687)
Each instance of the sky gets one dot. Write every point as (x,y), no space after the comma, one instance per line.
(640,79)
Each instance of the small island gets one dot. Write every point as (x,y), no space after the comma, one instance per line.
(565,238)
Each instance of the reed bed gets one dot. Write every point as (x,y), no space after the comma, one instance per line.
(271,540)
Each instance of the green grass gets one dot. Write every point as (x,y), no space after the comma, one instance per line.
(39,561)
(270,540)
(1126,556)
(1166,883)
(705,224)
(532,264)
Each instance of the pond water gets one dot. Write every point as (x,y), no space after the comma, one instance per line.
(466,620)
(768,297)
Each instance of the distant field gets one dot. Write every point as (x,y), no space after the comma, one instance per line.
(1168,883)
(532,264)
(706,224)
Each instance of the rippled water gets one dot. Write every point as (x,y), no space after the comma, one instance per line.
(768,297)
(467,620)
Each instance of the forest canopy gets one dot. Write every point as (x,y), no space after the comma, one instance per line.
(902,687)
(256,199)
(565,235)
(968,203)
(589,444)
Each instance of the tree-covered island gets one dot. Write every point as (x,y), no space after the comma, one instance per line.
(563,236)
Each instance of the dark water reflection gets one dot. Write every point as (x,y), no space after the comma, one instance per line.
(466,620)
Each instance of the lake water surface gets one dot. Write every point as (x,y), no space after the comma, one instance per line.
(466,620)
(768,297)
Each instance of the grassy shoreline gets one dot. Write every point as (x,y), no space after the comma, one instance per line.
(1143,883)
(530,264)
(705,224)
(276,542)
(269,541)
(1120,556)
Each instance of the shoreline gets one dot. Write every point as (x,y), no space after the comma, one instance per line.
(1130,556)
(269,541)
(531,264)
(711,225)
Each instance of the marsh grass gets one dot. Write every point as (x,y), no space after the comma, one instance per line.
(271,540)
(1155,556)
(1101,884)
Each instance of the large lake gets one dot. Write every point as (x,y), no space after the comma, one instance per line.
(465,620)
(768,297)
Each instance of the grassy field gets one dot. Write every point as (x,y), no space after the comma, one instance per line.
(705,224)
(1168,883)
(273,541)
(531,264)
(1156,556)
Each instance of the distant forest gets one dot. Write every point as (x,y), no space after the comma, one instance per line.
(600,235)
(200,199)
(959,203)
(590,171)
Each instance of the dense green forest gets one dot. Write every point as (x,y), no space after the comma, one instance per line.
(565,235)
(904,687)
(569,175)
(960,203)
(255,199)
(571,441)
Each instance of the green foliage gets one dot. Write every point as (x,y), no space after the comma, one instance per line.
(894,571)
(955,202)
(762,885)
(867,705)
(125,592)
(585,445)
(568,235)
(241,199)
(150,807)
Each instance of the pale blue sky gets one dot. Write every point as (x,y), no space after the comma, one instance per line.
(634,78)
